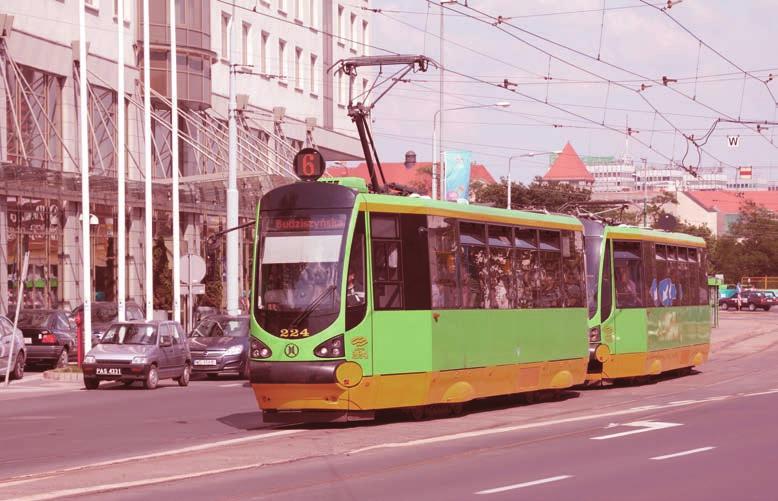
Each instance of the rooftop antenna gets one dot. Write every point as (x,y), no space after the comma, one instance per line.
(360,112)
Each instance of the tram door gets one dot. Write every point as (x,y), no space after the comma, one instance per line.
(629,316)
(358,321)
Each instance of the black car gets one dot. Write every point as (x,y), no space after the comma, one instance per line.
(49,337)
(105,313)
(220,345)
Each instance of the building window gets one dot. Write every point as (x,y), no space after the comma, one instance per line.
(263,51)
(313,13)
(314,75)
(341,89)
(102,133)
(298,9)
(353,32)
(364,37)
(246,55)
(33,137)
(282,6)
(226,25)
(340,26)
(127,12)
(282,67)
(298,70)
(95,4)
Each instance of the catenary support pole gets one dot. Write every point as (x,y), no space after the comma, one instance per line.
(174,161)
(442,194)
(19,299)
(148,207)
(232,186)
(121,211)
(86,261)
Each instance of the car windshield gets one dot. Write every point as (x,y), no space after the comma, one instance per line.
(130,334)
(32,318)
(221,327)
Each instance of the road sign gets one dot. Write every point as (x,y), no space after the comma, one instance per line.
(194,264)
(733,141)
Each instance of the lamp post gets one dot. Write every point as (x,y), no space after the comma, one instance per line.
(439,148)
(523,155)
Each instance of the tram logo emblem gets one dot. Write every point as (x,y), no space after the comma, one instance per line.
(359,343)
(291,350)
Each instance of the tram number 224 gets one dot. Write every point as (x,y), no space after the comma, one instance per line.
(294,333)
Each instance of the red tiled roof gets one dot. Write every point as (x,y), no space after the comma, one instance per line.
(729,202)
(417,176)
(568,167)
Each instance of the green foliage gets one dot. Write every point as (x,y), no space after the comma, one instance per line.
(536,195)
(163,276)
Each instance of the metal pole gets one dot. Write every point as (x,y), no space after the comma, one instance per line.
(19,298)
(149,209)
(645,213)
(232,188)
(190,299)
(510,159)
(86,261)
(174,161)
(435,167)
(121,286)
(440,111)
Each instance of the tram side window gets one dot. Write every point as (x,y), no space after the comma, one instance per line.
(525,273)
(572,269)
(474,270)
(649,271)
(387,262)
(356,300)
(549,269)
(501,290)
(703,278)
(628,263)
(415,259)
(688,270)
(443,245)
(605,284)
(677,291)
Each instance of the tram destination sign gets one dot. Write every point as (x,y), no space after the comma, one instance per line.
(309,164)
(307,223)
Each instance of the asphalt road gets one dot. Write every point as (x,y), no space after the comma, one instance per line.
(711,435)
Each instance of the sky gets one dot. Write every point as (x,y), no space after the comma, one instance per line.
(578,71)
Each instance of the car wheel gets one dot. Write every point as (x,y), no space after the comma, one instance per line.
(246,372)
(723,306)
(152,378)
(18,371)
(91,383)
(730,307)
(183,380)
(766,308)
(751,307)
(62,360)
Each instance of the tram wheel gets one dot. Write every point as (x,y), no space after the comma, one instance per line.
(456,409)
(418,413)
(530,397)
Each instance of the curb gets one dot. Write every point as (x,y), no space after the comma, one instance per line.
(69,377)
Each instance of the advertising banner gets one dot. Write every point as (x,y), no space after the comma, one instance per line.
(456,185)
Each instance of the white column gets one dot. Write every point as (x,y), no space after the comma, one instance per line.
(232,188)
(174,165)
(121,209)
(3,256)
(86,280)
(148,206)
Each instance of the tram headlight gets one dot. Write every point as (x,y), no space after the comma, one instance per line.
(331,348)
(259,349)
(594,335)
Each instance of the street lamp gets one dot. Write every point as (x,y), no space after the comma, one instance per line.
(523,155)
(439,148)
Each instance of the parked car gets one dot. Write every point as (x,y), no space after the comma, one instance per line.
(220,345)
(15,359)
(49,337)
(139,351)
(105,313)
(751,300)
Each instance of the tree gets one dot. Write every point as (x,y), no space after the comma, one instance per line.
(537,195)
(163,276)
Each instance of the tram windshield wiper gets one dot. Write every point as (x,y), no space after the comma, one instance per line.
(309,309)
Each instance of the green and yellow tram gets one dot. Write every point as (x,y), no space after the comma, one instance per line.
(366,301)
(648,301)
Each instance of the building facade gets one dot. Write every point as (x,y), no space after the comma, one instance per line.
(281,49)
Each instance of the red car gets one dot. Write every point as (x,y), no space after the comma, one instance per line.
(750,300)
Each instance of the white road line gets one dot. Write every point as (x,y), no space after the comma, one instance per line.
(230,385)
(643,426)
(684,453)
(172,452)
(82,491)
(525,484)
(761,393)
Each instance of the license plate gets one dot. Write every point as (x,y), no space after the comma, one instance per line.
(205,362)
(28,340)
(104,371)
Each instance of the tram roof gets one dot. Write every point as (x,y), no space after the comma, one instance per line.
(651,235)
(417,205)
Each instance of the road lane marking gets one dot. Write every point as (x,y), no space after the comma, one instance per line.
(230,385)
(525,484)
(643,426)
(96,489)
(154,455)
(684,453)
(761,393)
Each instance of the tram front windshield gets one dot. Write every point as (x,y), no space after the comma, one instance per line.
(300,269)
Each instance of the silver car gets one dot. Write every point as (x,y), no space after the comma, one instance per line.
(16,359)
(139,351)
